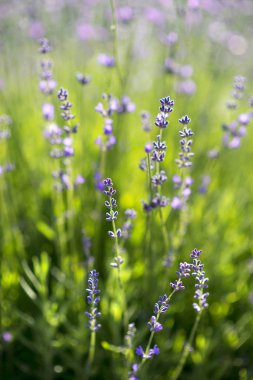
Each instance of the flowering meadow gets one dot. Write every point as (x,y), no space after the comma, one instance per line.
(126,190)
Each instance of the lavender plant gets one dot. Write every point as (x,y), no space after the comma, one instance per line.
(236,129)
(182,183)
(5,134)
(93,300)
(156,176)
(185,270)
(111,216)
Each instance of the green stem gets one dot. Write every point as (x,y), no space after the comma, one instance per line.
(149,176)
(123,295)
(92,347)
(114,28)
(163,222)
(187,349)
(153,332)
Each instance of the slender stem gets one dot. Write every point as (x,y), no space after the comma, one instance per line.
(123,295)
(187,349)
(114,28)
(163,222)
(145,357)
(149,175)
(92,347)
(117,252)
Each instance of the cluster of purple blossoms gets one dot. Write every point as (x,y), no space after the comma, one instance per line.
(47,83)
(106,60)
(185,85)
(205,181)
(133,373)
(59,138)
(125,14)
(7,337)
(235,130)
(161,307)
(181,184)
(169,39)
(150,354)
(156,153)
(106,141)
(130,215)
(185,269)
(62,141)
(113,105)
(201,282)
(93,300)
(195,269)
(111,216)
(5,134)
(145,121)
(83,79)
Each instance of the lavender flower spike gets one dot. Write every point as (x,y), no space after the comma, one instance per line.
(93,300)
(201,282)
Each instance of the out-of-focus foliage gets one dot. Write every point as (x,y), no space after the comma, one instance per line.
(191,51)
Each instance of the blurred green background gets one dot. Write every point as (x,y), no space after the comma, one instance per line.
(43,271)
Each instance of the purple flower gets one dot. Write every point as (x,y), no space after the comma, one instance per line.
(82,79)
(48,111)
(47,87)
(170,39)
(145,120)
(184,120)
(205,181)
(132,374)
(7,336)
(106,60)
(154,15)
(79,180)
(93,300)
(151,353)
(44,46)
(201,281)
(187,87)
(125,14)
(111,216)
(154,325)
(148,147)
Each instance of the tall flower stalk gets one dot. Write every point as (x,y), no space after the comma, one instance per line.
(185,270)
(182,184)
(114,28)
(200,297)
(93,300)
(116,234)
(156,176)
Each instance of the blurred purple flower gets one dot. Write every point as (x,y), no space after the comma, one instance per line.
(36,30)
(106,60)
(154,15)
(87,32)
(170,39)
(244,118)
(48,111)
(187,87)
(7,336)
(125,14)
(82,79)
(176,203)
